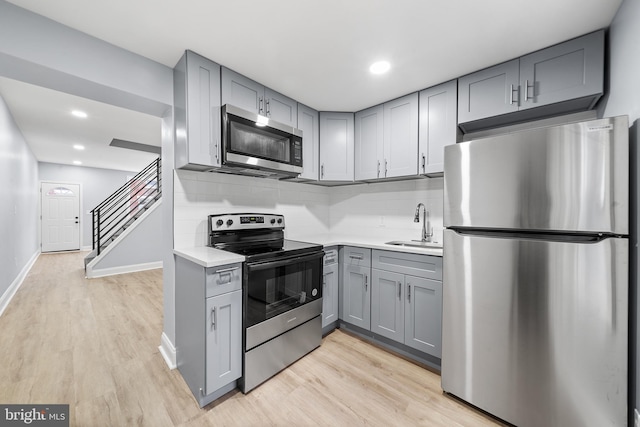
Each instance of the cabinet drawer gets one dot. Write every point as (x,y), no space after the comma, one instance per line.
(223,279)
(429,267)
(330,256)
(352,256)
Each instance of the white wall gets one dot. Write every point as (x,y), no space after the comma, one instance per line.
(96,185)
(199,194)
(19,194)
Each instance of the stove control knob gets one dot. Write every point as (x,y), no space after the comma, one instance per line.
(279,220)
(229,222)
(273,221)
(219,222)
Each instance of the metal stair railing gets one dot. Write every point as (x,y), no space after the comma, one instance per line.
(118,211)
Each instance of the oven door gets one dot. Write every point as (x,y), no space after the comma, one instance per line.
(277,286)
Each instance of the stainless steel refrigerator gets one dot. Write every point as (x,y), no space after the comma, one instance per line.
(536,268)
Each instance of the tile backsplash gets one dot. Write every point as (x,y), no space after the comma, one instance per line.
(380,210)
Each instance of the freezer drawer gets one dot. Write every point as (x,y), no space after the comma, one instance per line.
(535,332)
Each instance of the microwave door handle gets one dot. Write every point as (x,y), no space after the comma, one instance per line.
(257,266)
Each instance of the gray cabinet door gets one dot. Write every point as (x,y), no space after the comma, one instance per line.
(423,315)
(401,137)
(197,100)
(308,122)
(387,304)
(280,108)
(336,146)
(242,92)
(489,92)
(369,146)
(356,300)
(569,70)
(223,340)
(330,294)
(438,125)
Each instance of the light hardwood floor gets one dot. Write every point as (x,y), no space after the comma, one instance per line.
(93,344)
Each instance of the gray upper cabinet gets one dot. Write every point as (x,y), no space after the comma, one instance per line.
(401,136)
(564,78)
(490,92)
(369,147)
(386,139)
(196,95)
(309,123)
(249,95)
(570,70)
(336,146)
(438,125)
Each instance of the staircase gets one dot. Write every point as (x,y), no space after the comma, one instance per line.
(122,208)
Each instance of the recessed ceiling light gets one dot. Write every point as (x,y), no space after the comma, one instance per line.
(78,147)
(79,114)
(379,67)
(77,162)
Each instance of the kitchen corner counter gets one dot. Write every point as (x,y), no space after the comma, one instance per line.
(365,242)
(208,257)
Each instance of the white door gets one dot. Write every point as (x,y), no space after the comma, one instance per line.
(60,217)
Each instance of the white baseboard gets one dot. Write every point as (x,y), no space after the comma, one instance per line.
(168,351)
(103,272)
(15,285)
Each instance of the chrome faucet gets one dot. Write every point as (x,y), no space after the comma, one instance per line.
(426,236)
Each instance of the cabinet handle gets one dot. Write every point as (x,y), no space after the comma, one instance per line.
(213,319)
(399,290)
(511,101)
(424,163)
(526,90)
(409,292)
(378,168)
(268,109)
(365,282)
(385,168)
(215,149)
(261,106)
(321,171)
(225,270)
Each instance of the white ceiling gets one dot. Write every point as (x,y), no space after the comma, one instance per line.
(318,52)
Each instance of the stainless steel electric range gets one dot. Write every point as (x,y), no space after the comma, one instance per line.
(282,292)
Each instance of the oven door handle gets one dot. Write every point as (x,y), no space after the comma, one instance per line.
(256,266)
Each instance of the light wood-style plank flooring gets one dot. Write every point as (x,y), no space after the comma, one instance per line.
(93,344)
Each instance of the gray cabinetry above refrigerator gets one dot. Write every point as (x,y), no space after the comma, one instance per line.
(564,78)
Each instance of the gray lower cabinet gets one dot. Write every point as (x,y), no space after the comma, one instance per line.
(423,315)
(330,288)
(208,328)
(564,78)
(355,296)
(196,96)
(406,299)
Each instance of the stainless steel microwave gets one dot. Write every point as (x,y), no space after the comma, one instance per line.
(258,143)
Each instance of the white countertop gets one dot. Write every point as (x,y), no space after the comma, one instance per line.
(210,257)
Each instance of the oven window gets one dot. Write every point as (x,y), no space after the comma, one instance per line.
(256,142)
(274,290)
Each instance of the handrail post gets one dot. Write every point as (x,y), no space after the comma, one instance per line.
(98,234)
(93,228)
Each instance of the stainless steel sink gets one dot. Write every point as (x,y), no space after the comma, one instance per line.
(415,244)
